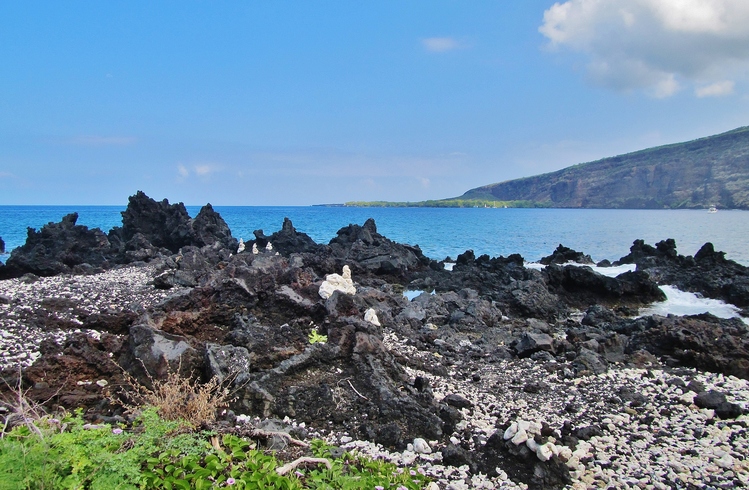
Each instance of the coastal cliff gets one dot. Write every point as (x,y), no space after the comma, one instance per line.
(711,171)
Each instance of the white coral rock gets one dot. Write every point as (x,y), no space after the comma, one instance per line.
(371,316)
(421,446)
(520,437)
(544,452)
(336,282)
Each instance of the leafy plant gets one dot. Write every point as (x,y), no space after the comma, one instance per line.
(161,450)
(161,454)
(315,337)
(72,454)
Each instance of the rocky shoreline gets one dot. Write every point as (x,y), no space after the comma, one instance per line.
(497,375)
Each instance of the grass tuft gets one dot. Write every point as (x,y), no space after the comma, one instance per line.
(178,398)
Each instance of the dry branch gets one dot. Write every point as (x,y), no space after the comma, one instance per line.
(290,466)
(267,434)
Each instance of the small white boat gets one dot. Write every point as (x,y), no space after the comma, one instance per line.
(712,209)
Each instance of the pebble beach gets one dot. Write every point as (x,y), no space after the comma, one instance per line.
(645,430)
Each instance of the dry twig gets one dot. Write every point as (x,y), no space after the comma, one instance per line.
(355,391)
(22,409)
(267,434)
(290,466)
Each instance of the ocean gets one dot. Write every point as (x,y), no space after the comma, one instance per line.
(441,233)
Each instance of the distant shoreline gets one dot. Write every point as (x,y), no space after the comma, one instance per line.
(444,203)
(484,203)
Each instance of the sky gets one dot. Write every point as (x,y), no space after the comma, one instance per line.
(300,103)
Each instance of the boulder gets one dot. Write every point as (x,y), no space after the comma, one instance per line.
(701,341)
(582,287)
(530,343)
(598,315)
(288,240)
(562,255)
(368,251)
(716,400)
(154,354)
(532,299)
(457,401)
(226,361)
(588,361)
(453,455)
(637,252)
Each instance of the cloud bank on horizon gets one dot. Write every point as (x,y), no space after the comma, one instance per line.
(660,46)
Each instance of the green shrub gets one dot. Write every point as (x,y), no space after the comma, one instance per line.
(161,454)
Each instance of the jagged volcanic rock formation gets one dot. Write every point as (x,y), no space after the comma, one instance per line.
(516,339)
(57,248)
(150,229)
(708,272)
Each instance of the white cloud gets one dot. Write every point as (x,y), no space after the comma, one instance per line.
(200,170)
(655,45)
(204,169)
(717,89)
(665,87)
(425,182)
(440,44)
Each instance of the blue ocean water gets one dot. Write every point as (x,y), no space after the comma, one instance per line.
(533,233)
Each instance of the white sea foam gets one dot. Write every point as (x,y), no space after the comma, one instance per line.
(605,271)
(681,303)
(449,266)
(614,270)
(411,294)
(534,265)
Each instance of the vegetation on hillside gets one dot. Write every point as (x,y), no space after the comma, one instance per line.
(448,203)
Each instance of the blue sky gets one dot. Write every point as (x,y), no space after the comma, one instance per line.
(297,103)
